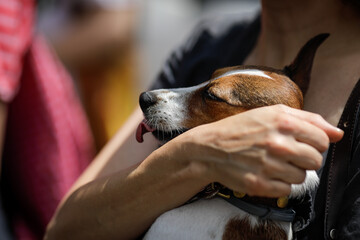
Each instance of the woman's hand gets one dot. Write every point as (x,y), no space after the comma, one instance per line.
(260,152)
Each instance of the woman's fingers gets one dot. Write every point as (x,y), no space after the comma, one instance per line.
(269,188)
(335,134)
(249,174)
(303,131)
(255,185)
(283,171)
(290,150)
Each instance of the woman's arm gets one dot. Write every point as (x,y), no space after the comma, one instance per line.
(123,198)
(260,152)
(122,153)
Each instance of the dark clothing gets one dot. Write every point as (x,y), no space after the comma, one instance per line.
(209,48)
(215,45)
(5,233)
(337,203)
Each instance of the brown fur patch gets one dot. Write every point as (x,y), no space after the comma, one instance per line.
(258,91)
(202,110)
(239,93)
(240,229)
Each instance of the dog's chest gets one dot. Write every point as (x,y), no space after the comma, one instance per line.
(203,219)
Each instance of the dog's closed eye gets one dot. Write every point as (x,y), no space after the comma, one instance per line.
(209,95)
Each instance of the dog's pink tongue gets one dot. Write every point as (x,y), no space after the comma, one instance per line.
(141,130)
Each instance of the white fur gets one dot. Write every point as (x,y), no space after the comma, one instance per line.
(310,183)
(169,112)
(252,72)
(206,219)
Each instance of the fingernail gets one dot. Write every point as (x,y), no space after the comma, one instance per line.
(339,130)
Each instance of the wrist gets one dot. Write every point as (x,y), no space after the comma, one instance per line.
(178,174)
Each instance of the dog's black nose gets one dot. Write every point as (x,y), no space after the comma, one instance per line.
(146,100)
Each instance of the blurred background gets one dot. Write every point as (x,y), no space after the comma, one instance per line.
(115,48)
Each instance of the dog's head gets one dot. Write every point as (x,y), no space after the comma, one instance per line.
(169,112)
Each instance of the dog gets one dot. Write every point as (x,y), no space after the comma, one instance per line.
(232,90)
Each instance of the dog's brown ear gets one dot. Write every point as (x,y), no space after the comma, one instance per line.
(300,69)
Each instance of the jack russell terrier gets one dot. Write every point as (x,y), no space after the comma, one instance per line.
(229,215)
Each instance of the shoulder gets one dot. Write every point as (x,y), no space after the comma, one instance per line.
(214,43)
(215,31)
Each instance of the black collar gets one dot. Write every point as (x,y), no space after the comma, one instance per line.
(265,208)
(260,210)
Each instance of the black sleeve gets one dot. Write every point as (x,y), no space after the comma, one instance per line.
(212,45)
(180,65)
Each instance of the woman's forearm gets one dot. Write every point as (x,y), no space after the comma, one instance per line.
(125,205)
(113,199)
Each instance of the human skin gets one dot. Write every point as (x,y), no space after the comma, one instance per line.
(116,198)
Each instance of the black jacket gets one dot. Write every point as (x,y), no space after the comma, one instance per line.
(337,202)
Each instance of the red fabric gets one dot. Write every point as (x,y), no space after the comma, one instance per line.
(16,19)
(48,142)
